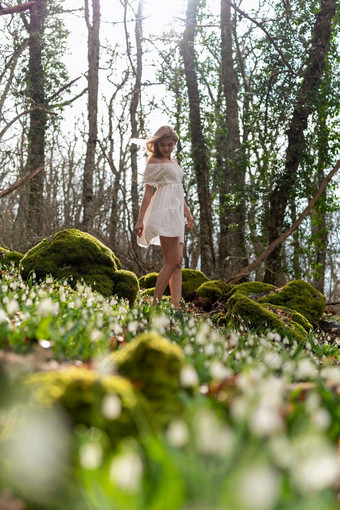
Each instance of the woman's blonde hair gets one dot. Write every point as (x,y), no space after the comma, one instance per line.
(161,133)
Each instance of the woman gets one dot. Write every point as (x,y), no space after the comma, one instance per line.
(161,215)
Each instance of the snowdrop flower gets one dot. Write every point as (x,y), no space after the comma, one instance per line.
(133,326)
(218,371)
(265,421)
(188,377)
(209,350)
(96,335)
(49,280)
(126,471)
(12,307)
(159,323)
(331,373)
(90,455)
(233,338)
(259,488)
(306,369)
(274,336)
(3,316)
(47,307)
(111,407)
(272,359)
(316,467)
(178,433)
(202,334)
(212,437)
(188,350)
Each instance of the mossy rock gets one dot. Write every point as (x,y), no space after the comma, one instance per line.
(255,290)
(8,257)
(82,394)
(125,284)
(243,311)
(79,256)
(148,292)
(213,289)
(300,296)
(153,363)
(148,281)
(191,280)
(292,315)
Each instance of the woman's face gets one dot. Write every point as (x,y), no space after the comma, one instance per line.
(166,146)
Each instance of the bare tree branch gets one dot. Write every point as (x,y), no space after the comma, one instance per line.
(64,87)
(20,182)
(260,25)
(16,8)
(248,269)
(17,117)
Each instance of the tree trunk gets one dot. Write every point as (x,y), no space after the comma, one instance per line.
(37,129)
(92,108)
(232,249)
(304,106)
(199,149)
(135,102)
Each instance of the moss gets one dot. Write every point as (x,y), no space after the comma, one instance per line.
(153,363)
(79,256)
(291,315)
(253,289)
(80,392)
(214,289)
(148,281)
(148,292)
(300,296)
(7,257)
(191,280)
(125,285)
(244,311)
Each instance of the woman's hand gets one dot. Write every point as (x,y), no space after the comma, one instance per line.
(190,220)
(139,228)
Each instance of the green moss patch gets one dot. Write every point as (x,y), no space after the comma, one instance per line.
(148,281)
(153,364)
(214,289)
(243,311)
(291,315)
(300,296)
(7,257)
(79,256)
(108,402)
(191,280)
(254,290)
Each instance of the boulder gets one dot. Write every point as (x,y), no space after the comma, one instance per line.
(243,311)
(8,257)
(78,256)
(191,280)
(300,296)
(153,364)
(108,402)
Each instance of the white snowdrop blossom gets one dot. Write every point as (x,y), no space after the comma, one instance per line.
(316,466)
(90,455)
(12,307)
(218,371)
(126,471)
(265,420)
(3,316)
(331,373)
(111,407)
(212,437)
(96,335)
(209,349)
(306,369)
(321,418)
(178,433)
(160,323)
(49,280)
(188,350)
(274,336)
(188,377)
(203,334)
(259,488)
(133,326)
(47,307)
(272,359)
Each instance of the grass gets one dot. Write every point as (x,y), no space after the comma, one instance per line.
(258,430)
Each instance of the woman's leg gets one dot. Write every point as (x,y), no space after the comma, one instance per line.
(172,252)
(175,282)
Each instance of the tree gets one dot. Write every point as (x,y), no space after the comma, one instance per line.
(232,249)
(304,105)
(92,109)
(198,143)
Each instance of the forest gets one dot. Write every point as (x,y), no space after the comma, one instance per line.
(108,399)
(252,90)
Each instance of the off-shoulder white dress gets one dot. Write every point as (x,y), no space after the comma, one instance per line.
(165,213)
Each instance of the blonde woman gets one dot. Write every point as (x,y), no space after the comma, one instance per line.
(161,215)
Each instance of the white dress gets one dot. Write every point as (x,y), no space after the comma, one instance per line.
(165,213)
